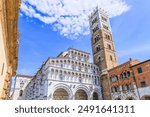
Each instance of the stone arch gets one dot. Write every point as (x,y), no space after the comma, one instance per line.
(65,88)
(82,89)
(95,96)
(81,95)
(145,97)
(98,93)
(60,94)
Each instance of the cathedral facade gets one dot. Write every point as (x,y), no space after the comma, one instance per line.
(69,76)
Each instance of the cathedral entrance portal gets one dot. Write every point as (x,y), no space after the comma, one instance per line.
(81,95)
(60,94)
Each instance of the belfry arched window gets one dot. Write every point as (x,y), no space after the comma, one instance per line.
(111,58)
(98,48)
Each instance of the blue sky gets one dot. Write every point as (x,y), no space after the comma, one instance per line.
(44,35)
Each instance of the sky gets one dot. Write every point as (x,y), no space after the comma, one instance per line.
(48,27)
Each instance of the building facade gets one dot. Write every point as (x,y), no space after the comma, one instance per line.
(104,54)
(21,81)
(130,81)
(8,43)
(69,76)
(142,77)
(123,84)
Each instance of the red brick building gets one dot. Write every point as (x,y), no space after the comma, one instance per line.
(122,81)
(142,77)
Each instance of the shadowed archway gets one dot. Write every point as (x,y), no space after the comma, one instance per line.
(81,95)
(60,94)
(95,96)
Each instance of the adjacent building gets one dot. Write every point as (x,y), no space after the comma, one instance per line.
(123,84)
(130,81)
(20,82)
(8,43)
(69,76)
(142,77)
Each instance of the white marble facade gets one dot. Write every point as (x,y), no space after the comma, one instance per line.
(21,81)
(69,76)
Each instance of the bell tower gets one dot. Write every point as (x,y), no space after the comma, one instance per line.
(104,54)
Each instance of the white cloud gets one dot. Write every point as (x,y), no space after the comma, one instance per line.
(70,17)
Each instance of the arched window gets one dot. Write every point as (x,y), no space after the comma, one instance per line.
(128,74)
(124,75)
(109,46)
(95,96)
(21,93)
(98,48)
(115,78)
(97,38)
(115,88)
(99,59)
(121,76)
(111,58)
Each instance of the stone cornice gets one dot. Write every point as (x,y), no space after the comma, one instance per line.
(9,19)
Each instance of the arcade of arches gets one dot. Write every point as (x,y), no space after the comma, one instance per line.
(62,94)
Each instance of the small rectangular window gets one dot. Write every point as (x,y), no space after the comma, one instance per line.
(21,93)
(143,84)
(109,46)
(139,70)
(111,58)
